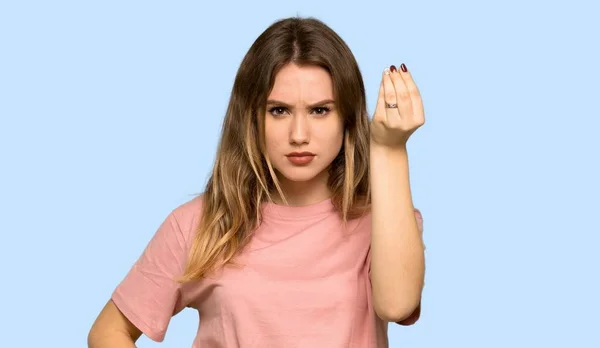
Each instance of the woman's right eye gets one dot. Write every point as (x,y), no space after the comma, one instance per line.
(277,111)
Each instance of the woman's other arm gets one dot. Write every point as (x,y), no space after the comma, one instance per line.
(112,329)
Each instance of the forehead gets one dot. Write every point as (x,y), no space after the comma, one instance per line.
(298,83)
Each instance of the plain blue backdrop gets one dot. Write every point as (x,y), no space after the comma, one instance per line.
(111,112)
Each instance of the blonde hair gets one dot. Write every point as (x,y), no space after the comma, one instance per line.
(243,178)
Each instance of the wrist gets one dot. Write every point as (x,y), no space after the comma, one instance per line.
(378,149)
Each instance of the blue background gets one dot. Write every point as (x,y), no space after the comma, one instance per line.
(111,112)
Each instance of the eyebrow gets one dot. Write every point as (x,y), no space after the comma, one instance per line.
(278,102)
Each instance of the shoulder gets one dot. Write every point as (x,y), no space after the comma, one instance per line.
(187,216)
(190,208)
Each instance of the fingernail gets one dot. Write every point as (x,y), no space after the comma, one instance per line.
(386,71)
(393,68)
(403,67)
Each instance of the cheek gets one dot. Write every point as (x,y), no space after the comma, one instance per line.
(338,136)
(273,142)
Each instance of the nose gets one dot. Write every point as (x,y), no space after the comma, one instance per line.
(300,130)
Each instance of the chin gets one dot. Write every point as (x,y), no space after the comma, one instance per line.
(298,174)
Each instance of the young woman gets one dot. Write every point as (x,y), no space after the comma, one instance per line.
(305,235)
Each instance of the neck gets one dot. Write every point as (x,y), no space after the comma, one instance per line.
(305,192)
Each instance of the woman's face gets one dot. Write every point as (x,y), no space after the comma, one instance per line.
(303,130)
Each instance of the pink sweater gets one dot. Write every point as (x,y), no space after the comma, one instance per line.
(304,283)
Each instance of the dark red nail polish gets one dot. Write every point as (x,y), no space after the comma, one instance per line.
(393,68)
(403,67)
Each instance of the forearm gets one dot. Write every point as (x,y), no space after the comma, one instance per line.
(114,340)
(397,251)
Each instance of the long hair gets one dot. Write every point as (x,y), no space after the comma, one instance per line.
(243,178)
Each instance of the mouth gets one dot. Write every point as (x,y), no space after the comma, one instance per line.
(300,158)
(300,154)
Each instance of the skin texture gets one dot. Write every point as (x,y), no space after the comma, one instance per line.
(298,120)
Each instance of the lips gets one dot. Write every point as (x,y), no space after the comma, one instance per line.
(300,158)
(300,154)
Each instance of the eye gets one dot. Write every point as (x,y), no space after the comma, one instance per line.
(321,111)
(277,110)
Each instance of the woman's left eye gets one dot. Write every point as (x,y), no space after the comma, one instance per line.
(321,110)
